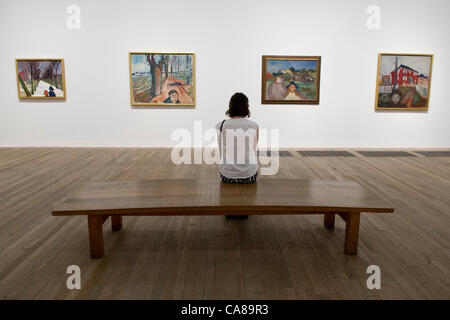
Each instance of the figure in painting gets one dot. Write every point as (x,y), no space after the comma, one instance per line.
(395,97)
(277,90)
(52,92)
(173,97)
(292,93)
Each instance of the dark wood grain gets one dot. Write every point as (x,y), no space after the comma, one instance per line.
(95,226)
(197,197)
(328,220)
(351,232)
(116,222)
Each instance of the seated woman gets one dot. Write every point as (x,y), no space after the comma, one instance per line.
(237,139)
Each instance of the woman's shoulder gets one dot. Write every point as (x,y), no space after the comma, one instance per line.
(237,122)
(251,122)
(245,121)
(219,124)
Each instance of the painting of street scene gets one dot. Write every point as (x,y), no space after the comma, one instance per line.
(40,78)
(162,79)
(290,80)
(403,81)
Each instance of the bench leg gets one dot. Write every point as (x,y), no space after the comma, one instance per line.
(95,224)
(351,233)
(328,220)
(116,222)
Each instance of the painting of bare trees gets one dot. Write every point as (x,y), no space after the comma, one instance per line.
(162,79)
(40,78)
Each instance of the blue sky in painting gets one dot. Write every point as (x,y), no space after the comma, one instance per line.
(139,64)
(277,65)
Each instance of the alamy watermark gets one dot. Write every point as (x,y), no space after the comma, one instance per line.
(373,22)
(204,146)
(374,280)
(74,280)
(73,21)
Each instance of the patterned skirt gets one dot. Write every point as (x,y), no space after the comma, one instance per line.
(248,180)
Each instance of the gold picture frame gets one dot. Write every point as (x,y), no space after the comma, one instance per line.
(23,89)
(185,98)
(400,87)
(305,83)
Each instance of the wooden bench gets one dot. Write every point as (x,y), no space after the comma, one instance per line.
(101,200)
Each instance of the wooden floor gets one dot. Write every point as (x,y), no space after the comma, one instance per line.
(264,257)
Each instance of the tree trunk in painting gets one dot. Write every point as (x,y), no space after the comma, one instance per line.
(170,63)
(166,69)
(32,83)
(55,73)
(52,78)
(156,80)
(155,72)
(34,75)
(188,74)
(24,87)
(31,77)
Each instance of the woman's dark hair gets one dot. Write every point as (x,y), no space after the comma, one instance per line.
(238,106)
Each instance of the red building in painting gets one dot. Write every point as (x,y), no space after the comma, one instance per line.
(406,77)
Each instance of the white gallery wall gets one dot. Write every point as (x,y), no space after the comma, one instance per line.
(228,37)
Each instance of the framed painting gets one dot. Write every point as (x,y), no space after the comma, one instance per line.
(290,80)
(162,79)
(403,81)
(40,79)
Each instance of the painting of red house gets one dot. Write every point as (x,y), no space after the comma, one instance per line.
(403,81)
(405,76)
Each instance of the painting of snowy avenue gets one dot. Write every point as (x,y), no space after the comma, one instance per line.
(40,78)
(162,79)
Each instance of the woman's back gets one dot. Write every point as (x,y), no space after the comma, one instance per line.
(238,138)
